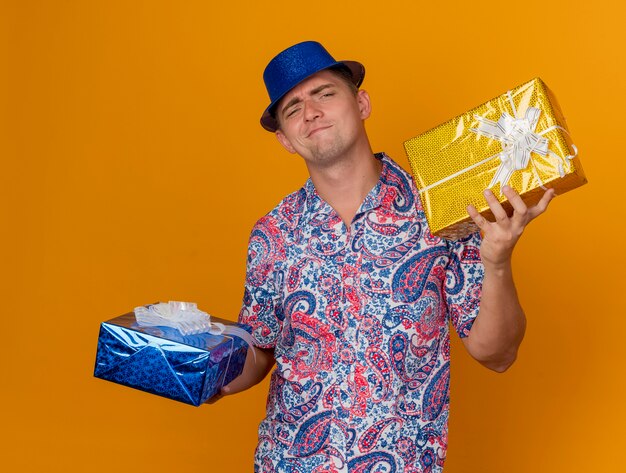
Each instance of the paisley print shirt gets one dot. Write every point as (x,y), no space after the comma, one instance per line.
(359,321)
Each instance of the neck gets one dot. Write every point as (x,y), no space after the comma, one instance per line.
(346,183)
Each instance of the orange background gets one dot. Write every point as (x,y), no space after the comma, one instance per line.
(134,168)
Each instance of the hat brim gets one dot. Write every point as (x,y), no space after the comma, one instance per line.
(358,74)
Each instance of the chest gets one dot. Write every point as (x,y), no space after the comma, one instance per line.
(385,270)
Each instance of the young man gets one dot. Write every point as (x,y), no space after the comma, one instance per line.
(351,297)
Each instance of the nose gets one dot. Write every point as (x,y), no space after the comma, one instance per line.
(311,111)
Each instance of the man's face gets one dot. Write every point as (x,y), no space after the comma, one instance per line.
(322,119)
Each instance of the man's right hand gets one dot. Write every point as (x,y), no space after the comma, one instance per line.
(254,371)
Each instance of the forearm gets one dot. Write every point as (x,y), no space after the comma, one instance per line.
(499,328)
(254,370)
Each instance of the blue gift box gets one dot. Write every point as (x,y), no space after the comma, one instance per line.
(161,361)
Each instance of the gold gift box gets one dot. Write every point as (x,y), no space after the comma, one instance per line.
(521,134)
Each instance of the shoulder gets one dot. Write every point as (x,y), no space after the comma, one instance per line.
(286,214)
(407,199)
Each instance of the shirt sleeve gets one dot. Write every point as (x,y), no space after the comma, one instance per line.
(262,306)
(464,281)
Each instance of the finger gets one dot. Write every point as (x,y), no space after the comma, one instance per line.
(520,209)
(494,204)
(480,221)
(542,205)
(214,399)
(224,391)
(515,200)
(235,386)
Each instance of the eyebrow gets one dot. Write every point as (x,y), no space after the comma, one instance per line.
(313,92)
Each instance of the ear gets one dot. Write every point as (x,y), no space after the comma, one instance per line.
(285,141)
(365,106)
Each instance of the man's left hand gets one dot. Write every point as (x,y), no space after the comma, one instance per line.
(500,236)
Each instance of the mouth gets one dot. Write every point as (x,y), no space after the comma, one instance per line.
(317,130)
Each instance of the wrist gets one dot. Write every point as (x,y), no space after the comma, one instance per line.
(499,268)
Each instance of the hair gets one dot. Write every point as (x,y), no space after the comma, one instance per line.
(342,72)
(345,74)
